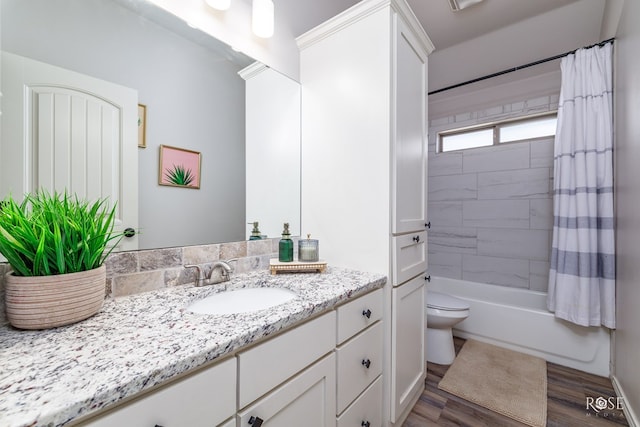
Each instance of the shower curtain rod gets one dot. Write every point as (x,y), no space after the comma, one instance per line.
(510,70)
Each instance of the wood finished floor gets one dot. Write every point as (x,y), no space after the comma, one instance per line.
(567,390)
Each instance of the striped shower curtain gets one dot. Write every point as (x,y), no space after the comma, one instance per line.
(582,268)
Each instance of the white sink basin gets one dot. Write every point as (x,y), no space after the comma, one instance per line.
(242,301)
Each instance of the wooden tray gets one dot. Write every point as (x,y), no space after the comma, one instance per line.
(296,266)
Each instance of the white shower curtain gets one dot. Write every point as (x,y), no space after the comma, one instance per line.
(582,268)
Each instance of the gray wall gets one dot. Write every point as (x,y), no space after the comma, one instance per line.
(194,99)
(627,193)
(490,208)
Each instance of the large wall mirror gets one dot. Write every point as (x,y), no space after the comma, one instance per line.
(243,118)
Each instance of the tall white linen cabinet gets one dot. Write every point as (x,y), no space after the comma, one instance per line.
(364,171)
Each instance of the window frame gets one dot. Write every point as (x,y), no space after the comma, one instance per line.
(495,125)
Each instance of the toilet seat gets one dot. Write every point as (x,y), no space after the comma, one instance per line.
(445,302)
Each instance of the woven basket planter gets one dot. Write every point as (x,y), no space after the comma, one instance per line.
(41,302)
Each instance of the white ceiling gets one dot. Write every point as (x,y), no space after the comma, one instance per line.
(447,28)
(485,38)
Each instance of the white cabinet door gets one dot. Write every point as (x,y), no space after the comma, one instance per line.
(63,130)
(265,366)
(407,345)
(308,399)
(409,147)
(203,399)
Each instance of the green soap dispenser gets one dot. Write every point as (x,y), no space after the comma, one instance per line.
(255,233)
(285,248)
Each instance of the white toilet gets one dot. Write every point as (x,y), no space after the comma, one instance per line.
(443,312)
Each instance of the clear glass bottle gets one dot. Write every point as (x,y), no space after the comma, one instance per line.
(285,247)
(308,249)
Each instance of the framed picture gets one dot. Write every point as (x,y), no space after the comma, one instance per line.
(179,167)
(142,126)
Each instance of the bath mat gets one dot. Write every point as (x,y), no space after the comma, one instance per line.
(507,382)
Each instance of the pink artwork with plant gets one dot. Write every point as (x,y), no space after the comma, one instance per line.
(179,167)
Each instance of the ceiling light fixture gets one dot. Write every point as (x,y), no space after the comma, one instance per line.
(219,4)
(262,20)
(457,5)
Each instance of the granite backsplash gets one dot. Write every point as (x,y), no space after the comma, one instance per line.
(133,272)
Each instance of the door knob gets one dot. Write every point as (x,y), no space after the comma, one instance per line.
(129,232)
(416,239)
(366,313)
(365,424)
(366,363)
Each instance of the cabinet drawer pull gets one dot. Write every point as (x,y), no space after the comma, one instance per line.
(366,313)
(416,239)
(256,421)
(366,363)
(365,424)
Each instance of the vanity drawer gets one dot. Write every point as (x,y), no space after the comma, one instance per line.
(353,358)
(358,314)
(366,408)
(202,399)
(269,364)
(409,256)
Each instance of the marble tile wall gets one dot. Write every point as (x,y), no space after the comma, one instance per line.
(147,270)
(491,208)
(133,272)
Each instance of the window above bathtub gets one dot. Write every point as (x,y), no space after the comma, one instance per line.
(496,133)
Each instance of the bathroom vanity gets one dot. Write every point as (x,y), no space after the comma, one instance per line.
(145,360)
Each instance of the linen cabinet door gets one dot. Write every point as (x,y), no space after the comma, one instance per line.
(308,400)
(408,368)
(409,146)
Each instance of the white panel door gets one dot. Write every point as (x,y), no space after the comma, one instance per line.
(408,368)
(66,131)
(409,147)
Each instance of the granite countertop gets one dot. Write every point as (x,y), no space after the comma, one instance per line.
(51,377)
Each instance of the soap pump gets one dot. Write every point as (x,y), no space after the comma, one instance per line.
(255,233)
(285,246)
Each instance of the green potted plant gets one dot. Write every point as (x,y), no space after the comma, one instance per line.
(56,245)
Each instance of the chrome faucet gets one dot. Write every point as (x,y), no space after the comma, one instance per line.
(220,272)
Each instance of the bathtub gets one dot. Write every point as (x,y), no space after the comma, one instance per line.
(519,320)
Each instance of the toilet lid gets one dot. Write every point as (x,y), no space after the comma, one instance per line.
(445,302)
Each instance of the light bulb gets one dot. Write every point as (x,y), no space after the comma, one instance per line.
(262,21)
(219,4)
